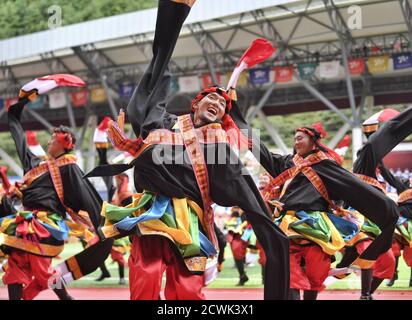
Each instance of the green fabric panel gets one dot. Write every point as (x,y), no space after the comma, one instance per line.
(370,227)
(55,217)
(121,242)
(252,240)
(11,230)
(25,214)
(320,231)
(193,249)
(406,232)
(168,220)
(115,214)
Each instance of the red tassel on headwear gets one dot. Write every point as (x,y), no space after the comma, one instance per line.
(236,137)
(319,127)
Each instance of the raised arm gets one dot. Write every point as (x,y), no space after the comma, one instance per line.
(146,109)
(382,142)
(27,158)
(395,182)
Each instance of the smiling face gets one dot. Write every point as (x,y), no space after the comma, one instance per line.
(210,109)
(303,144)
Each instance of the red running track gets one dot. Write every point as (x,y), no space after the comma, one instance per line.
(215,294)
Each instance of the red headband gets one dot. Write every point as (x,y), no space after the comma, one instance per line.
(331,153)
(219,91)
(307,131)
(65,140)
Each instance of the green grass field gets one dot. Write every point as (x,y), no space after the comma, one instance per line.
(228,278)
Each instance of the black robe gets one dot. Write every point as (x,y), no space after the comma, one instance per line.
(79,194)
(228,187)
(341,184)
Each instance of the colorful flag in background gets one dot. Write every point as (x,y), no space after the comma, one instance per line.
(329,69)
(402,60)
(284,74)
(307,70)
(208,82)
(57,100)
(126,89)
(356,66)
(98,95)
(79,98)
(189,84)
(259,76)
(378,64)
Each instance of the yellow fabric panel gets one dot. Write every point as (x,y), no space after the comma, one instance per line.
(363,263)
(5,224)
(182,213)
(178,235)
(40,249)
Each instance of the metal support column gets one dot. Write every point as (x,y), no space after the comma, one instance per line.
(407,15)
(252,112)
(11,163)
(323,99)
(346,41)
(274,134)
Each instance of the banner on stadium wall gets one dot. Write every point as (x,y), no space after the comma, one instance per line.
(378,64)
(356,66)
(98,95)
(307,70)
(402,60)
(79,98)
(57,100)
(126,89)
(36,104)
(11,101)
(259,76)
(329,69)
(284,74)
(189,84)
(208,82)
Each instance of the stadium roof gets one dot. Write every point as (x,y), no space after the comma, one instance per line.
(124,40)
(213,38)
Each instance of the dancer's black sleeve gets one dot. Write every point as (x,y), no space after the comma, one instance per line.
(27,158)
(146,109)
(382,142)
